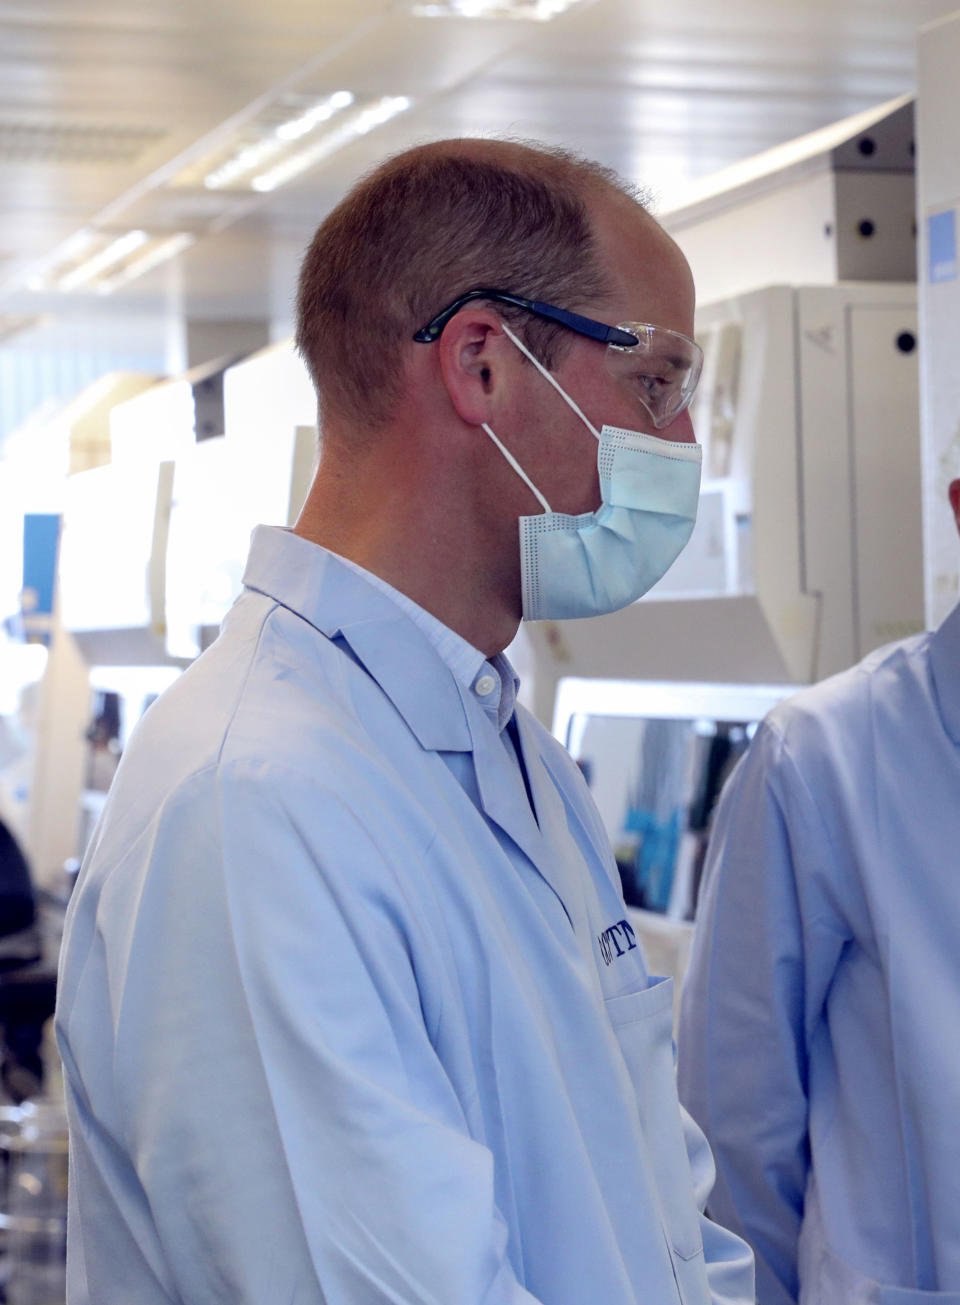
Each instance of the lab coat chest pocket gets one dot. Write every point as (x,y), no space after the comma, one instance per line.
(643,1022)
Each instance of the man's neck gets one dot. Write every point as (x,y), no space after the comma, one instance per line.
(432,555)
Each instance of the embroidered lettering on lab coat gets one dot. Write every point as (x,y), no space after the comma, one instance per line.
(616,940)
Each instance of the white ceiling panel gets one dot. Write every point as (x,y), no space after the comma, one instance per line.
(102,101)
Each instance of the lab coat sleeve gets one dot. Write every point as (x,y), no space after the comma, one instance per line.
(763,956)
(729,1260)
(292,1127)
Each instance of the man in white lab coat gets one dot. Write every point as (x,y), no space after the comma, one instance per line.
(350,1009)
(818,1042)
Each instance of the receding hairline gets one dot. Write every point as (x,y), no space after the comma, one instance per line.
(603,191)
(489,205)
(515,152)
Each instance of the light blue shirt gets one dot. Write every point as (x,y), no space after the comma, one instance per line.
(345,1020)
(820,1031)
(494,682)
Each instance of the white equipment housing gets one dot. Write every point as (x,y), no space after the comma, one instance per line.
(807,550)
(259,471)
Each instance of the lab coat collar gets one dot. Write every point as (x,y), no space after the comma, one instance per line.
(338,602)
(439,710)
(502,793)
(565,871)
(945,669)
(540,832)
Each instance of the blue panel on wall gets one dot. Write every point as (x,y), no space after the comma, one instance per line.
(942,242)
(41,534)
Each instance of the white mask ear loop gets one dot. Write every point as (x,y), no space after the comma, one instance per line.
(518,469)
(566,398)
(556,384)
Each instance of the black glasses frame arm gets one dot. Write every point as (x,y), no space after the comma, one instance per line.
(573,321)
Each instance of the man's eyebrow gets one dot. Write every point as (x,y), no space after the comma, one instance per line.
(678,361)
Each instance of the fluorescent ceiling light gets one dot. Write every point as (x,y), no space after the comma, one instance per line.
(114,252)
(160,251)
(77,245)
(322,112)
(263,140)
(540,11)
(11,325)
(244,161)
(113,262)
(358,124)
(67,255)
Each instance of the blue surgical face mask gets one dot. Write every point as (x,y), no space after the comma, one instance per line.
(600,561)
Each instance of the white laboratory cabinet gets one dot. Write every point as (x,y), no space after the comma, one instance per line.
(205,546)
(270,420)
(257,472)
(807,549)
(938,204)
(112,573)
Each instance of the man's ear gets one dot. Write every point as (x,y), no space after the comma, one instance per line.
(475,358)
(954,492)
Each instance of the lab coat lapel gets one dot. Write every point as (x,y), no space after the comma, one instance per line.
(502,794)
(566,870)
(544,837)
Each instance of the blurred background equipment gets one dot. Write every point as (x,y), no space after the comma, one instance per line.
(33,1138)
(33,1203)
(656,756)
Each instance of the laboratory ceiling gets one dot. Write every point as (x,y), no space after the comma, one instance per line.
(114,115)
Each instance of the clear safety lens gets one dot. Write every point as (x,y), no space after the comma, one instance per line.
(661,370)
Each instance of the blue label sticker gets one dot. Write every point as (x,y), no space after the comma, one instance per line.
(942,242)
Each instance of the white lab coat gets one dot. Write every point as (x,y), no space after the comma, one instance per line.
(335,1018)
(821,1014)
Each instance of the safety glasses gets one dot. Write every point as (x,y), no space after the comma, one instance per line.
(659,367)
(661,370)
